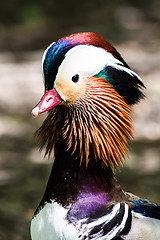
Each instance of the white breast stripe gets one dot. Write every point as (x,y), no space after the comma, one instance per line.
(87,228)
(119,228)
(106,218)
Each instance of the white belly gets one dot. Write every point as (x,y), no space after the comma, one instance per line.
(51,224)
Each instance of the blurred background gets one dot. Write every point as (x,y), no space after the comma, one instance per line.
(26,29)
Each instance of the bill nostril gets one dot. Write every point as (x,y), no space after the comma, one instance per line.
(49,99)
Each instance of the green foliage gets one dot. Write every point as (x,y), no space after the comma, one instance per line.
(31,15)
(22,12)
(33,24)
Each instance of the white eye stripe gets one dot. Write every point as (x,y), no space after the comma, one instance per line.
(128,70)
(86,61)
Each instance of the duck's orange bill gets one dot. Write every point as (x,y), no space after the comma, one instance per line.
(49,100)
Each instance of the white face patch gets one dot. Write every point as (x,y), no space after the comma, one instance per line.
(85,61)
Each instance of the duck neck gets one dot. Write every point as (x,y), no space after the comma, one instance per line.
(69,181)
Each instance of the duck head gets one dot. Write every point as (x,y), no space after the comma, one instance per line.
(89,88)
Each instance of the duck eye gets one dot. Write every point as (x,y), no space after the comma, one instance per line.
(75,78)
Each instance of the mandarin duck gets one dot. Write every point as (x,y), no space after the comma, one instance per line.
(89,90)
